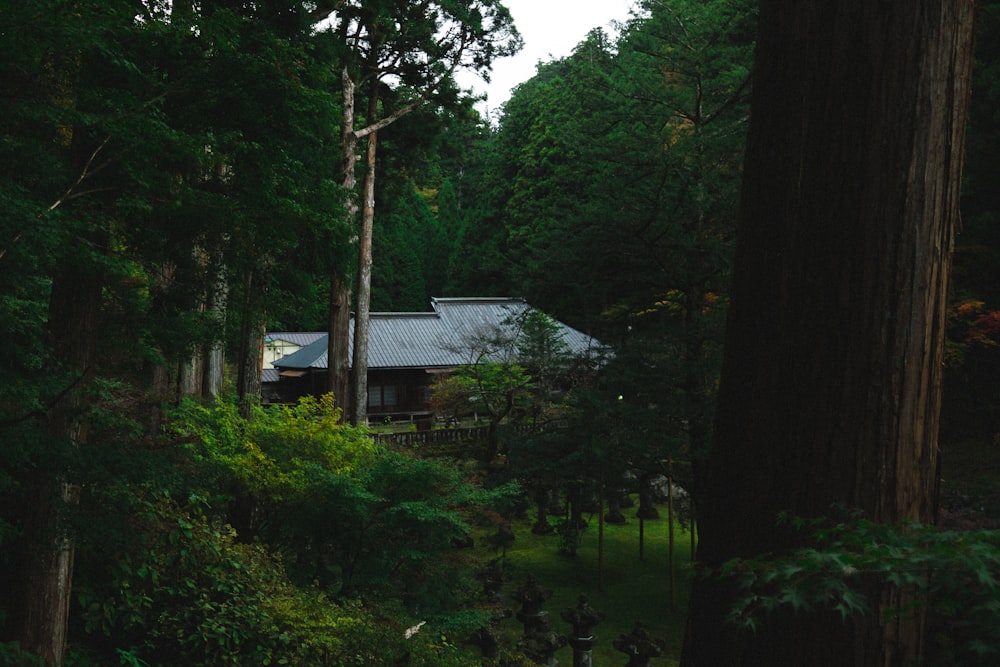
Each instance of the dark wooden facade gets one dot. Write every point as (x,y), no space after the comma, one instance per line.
(392,393)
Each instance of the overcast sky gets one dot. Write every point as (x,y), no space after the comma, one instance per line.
(550,28)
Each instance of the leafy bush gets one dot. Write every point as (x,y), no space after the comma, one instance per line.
(343,514)
(189,594)
(11,655)
(953,575)
(275,445)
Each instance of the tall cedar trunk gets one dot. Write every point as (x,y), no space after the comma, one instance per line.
(202,374)
(251,365)
(46,548)
(158,374)
(338,347)
(359,369)
(191,373)
(251,357)
(831,379)
(215,357)
(359,359)
(339,325)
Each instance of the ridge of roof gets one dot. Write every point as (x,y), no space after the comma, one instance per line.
(291,336)
(476,299)
(405,315)
(469,300)
(430,339)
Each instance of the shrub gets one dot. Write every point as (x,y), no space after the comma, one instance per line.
(952,575)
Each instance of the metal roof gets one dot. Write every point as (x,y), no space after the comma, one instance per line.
(300,338)
(310,356)
(443,338)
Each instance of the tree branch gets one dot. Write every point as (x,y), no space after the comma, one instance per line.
(83,175)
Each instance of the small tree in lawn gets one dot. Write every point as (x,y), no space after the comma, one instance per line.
(495,390)
(513,372)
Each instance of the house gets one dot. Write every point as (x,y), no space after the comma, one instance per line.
(406,351)
(277,345)
(283,343)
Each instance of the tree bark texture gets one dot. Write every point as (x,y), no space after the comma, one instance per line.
(45,548)
(339,325)
(251,355)
(359,369)
(338,347)
(830,388)
(215,356)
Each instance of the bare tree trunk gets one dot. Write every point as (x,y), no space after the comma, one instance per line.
(160,388)
(46,547)
(359,369)
(214,371)
(251,363)
(338,343)
(339,324)
(48,574)
(190,374)
(830,389)
(251,357)
(215,358)
(202,374)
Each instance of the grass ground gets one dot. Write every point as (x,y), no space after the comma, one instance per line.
(970,467)
(970,483)
(633,589)
(640,590)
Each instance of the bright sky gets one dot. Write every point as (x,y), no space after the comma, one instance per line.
(550,29)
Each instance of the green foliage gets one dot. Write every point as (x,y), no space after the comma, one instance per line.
(954,575)
(513,372)
(272,449)
(630,589)
(188,593)
(11,655)
(403,238)
(164,577)
(617,174)
(344,515)
(453,396)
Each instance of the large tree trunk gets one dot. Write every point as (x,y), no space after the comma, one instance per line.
(339,325)
(830,389)
(202,375)
(251,356)
(215,355)
(46,546)
(191,373)
(338,342)
(359,369)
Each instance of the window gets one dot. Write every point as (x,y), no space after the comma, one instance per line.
(381,396)
(389,395)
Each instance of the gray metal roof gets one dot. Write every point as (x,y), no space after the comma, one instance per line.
(310,356)
(444,338)
(300,338)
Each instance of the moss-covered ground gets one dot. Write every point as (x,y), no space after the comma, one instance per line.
(630,588)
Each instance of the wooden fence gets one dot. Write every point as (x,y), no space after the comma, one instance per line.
(433,437)
(457,434)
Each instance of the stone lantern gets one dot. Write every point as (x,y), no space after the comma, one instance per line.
(583,618)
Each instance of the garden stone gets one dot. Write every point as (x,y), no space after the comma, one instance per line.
(532,597)
(639,646)
(583,618)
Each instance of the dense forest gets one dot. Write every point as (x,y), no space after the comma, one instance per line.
(180,177)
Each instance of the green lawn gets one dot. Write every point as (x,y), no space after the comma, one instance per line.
(633,589)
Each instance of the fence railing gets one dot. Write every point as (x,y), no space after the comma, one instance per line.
(433,437)
(458,434)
